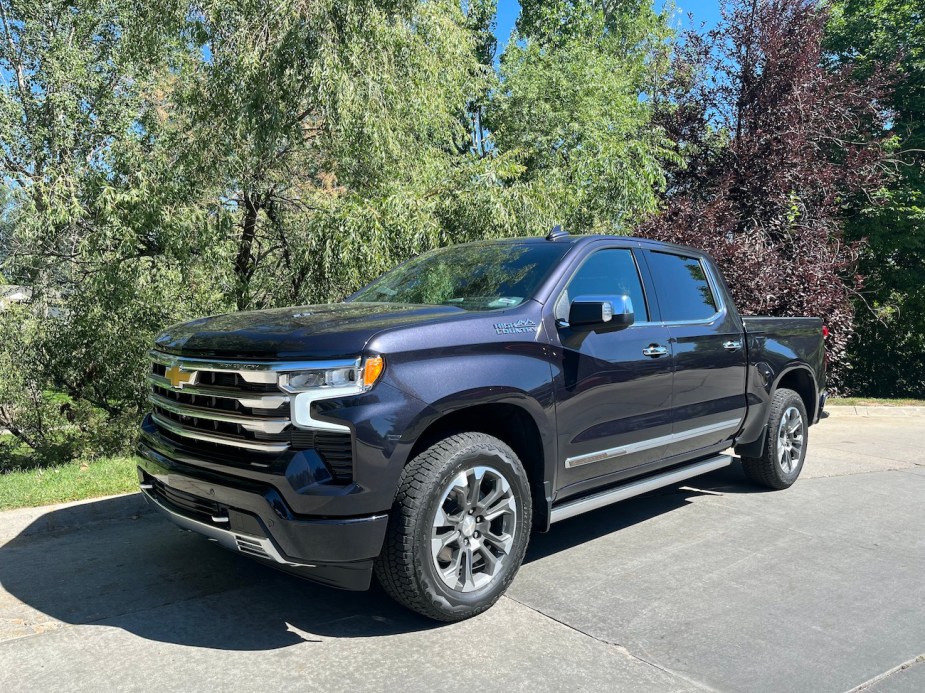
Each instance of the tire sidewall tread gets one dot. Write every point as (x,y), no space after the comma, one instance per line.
(404,569)
(766,470)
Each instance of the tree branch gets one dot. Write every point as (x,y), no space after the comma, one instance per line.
(14,61)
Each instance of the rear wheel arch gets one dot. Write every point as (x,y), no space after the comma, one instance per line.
(801,380)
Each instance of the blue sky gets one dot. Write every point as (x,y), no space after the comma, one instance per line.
(706,11)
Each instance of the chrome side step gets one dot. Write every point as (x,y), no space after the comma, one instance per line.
(635,488)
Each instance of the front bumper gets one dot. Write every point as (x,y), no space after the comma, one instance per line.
(255,521)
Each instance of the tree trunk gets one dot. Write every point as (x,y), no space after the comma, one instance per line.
(244,262)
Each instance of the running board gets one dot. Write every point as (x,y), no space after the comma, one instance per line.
(635,488)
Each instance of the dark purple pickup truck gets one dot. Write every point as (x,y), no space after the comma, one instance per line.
(423,427)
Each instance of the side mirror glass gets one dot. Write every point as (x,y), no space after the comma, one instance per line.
(616,311)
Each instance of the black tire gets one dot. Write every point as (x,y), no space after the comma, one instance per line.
(770,469)
(408,570)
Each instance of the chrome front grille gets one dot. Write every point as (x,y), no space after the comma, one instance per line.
(219,405)
(218,409)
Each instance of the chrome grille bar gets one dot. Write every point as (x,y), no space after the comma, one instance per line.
(248,406)
(249,400)
(250,423)
(250,371)
(196,434)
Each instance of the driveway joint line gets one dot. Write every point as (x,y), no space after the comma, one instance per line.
(888,673)
(621,648)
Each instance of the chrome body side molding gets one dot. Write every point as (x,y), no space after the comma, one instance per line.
(602,455)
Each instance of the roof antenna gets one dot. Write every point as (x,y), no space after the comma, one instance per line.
(557,232)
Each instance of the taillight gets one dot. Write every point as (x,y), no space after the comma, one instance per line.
(825,354)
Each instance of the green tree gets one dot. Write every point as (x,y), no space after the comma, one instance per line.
(103,229)
(886,355)
(340,135)
(573,106)
(173,160)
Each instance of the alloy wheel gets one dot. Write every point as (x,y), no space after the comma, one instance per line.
(473,529)
(790,440)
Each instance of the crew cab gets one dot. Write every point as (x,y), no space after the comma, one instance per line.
(422,428)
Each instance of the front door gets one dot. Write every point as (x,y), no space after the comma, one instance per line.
(613,386)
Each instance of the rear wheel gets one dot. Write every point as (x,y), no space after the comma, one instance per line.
(458,529)
(785,444)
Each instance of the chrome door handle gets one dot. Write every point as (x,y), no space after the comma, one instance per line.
(732,345)
(654,351)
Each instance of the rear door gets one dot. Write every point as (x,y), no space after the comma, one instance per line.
(708,351)
(612,399)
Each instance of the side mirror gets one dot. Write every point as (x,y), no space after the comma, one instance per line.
(589,311)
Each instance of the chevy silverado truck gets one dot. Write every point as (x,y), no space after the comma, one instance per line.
(422,428)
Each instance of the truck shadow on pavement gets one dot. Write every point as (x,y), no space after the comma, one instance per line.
(578,530)
(145,576)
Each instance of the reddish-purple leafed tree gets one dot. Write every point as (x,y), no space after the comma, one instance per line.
(778,142)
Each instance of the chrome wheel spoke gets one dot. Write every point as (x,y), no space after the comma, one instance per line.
(439,543)
(450,574)
(442,519)
(492,562)
(459,487)
(501,542)
(503,506)
(475,488)
(467,581)
(498,490)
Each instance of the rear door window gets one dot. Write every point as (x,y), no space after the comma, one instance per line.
(684,292)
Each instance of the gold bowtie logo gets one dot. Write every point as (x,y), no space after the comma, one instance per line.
(179,377)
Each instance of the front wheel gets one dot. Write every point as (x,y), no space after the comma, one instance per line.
(458,528)
(785,445)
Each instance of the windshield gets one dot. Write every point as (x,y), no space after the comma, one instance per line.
(479,276)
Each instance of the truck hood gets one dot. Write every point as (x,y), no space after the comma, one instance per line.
(336,330)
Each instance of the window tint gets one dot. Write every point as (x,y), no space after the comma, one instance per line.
(683,290)
(606,273)
(476,276)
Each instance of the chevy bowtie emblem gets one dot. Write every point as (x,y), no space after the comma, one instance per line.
(179,377)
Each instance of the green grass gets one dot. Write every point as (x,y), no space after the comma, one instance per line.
(67,482)
(874,402)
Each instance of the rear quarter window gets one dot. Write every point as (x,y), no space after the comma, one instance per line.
(684,292)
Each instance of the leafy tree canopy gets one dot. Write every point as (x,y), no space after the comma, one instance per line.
(572,106)
(867,35)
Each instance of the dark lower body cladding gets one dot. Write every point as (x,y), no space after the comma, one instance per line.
(338,552)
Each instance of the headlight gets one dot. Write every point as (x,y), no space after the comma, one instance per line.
(361,375)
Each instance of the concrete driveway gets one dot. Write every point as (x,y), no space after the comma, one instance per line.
(711,585)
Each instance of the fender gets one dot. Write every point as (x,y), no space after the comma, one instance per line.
(471,410)
(755,445)
(801,366)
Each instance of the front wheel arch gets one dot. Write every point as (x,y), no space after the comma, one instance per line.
(511,423)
